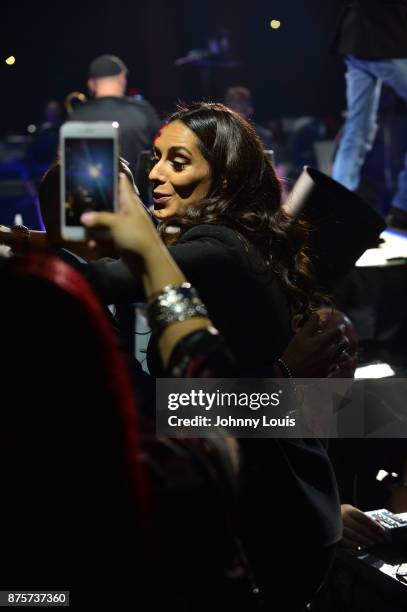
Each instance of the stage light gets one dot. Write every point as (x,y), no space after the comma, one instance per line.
(10,60)
(381,475)
(95,170)
(275,24)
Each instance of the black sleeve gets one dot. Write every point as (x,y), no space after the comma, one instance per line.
(114,282)
(200,253)
(202,354)
(213,267)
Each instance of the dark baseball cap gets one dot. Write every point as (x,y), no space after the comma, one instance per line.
(106,66)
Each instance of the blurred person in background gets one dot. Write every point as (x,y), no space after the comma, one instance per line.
(44,145)
(137,119)
(372,36)
(239,99)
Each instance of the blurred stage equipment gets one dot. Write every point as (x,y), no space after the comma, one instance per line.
(343,225)
(214,67)
(70,99)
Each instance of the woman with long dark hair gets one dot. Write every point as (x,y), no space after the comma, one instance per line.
(218,203)
(244,193)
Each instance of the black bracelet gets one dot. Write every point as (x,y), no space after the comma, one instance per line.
(284,368)
(286,372)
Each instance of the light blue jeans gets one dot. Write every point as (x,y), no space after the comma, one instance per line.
(364,82)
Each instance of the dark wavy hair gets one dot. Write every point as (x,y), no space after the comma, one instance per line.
(245,195)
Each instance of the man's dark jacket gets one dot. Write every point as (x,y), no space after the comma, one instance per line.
(372,29)
(138,121)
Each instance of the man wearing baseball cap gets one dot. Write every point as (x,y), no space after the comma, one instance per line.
(137,119)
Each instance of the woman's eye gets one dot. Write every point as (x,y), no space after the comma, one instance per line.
(178,165)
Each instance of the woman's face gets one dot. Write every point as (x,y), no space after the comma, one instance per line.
(181,176)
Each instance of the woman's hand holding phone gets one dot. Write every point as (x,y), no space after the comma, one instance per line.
(132,228)
(133,231)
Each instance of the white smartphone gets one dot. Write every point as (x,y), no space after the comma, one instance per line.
(89,173)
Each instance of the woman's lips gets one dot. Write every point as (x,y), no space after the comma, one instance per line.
(160,200)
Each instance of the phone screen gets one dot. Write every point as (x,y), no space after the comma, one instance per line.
(89,177)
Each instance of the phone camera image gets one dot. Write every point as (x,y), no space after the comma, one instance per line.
(89,177)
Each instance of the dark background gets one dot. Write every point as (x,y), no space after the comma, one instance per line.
(290,70)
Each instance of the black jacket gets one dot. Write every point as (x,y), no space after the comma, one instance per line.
(245,299)
(289,505)
(372,29)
